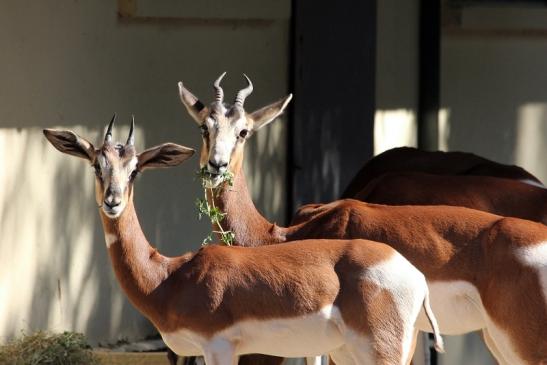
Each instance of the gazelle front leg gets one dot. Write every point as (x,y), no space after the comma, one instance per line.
(220,352)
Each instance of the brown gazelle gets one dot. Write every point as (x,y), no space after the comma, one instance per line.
(408,159)
(356,299)
(506,197)
(485,272)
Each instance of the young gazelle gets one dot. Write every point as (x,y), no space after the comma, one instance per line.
(486,272)
(408,159)
(357,300)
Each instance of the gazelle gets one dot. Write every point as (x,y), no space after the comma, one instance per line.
(408,159)
(486,272)
(506,197)
(358,300)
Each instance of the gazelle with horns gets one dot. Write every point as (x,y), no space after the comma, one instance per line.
(357,300)
(485,272)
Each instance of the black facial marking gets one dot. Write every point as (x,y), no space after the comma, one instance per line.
(199,106)
(133,175)
(97,169)
(204,130)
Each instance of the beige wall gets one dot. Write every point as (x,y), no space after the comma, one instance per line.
(494,89)
(396,74)
(72,64)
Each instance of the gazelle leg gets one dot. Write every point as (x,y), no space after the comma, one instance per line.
(493,348)
(361,349)
(172,357)
(220,352)
(518,332)
(316,360)
(412,348)
(341,356)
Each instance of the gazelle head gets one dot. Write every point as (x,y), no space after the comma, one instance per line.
(116,165)
(225,127)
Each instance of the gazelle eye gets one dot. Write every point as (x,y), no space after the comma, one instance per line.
(133,175)
(243,133)
(204,130)
(97,170)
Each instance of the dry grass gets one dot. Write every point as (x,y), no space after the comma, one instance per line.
(44,348)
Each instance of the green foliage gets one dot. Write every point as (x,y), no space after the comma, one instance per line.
(205,176)
(44,348)
(210,210)
(228,237)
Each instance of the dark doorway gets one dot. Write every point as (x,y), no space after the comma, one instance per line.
(331,131)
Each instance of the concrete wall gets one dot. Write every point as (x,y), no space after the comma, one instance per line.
(494,92)
(72,64)
(396,75)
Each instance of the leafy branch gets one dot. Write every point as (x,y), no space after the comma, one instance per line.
(210,210)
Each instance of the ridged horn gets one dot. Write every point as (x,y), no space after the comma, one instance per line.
(219,93)
(243,93)
(108,134)
(131,137)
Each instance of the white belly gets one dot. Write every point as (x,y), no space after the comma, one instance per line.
(183,342)
(457,306)
(310,335)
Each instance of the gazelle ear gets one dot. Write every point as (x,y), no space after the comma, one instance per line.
(164,155)
(195,108)
(265,115)
(70,143)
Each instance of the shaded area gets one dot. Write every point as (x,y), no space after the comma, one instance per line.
(334,105)
(73,64)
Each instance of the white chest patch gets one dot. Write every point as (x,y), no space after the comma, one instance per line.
(110,239)
(457,306)
(310,335)
(535,256)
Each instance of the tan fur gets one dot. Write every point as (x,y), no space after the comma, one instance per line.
(445,243)
(210,290)
(197,290)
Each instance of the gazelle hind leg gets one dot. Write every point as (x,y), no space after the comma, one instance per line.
(364,351)
(410,352)
(502,346)
(493,348)
(341,356)
(315,360)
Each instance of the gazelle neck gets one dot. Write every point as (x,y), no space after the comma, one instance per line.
(242,217)
(139,268)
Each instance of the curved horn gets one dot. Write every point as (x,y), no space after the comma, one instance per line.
(219,93)
(108,135)
(131,137)
(243,93)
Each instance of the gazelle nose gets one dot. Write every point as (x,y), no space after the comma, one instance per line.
(113,198)
(218,166)
(112,202)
